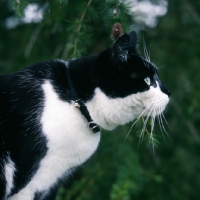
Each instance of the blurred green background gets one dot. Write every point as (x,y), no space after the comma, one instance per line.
(32,31)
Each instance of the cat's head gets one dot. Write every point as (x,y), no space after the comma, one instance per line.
(129,85)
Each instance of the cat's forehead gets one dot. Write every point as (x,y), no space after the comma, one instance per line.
(138,63)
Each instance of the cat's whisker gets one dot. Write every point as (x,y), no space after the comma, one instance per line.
(144,111)
(138,118)
(144,125)
(152,128)
(146,120)
(165,129)
(162,123)
(145,63)
(153,111)
(135,122)
(150,53)
(145,51)
(152,123)
(159,120)
(130,130)
(141,138)
(165,120)
(144,60)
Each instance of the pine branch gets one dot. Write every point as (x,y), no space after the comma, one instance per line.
(77,34)
(117,11)
(79,26)
(83,15)
(19,6)
(192,11)
(32,41)
(117,7)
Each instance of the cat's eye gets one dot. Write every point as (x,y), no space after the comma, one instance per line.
(147,80)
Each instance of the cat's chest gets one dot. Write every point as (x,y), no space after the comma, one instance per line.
(69,140)
(66,129)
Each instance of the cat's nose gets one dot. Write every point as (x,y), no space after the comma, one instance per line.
(165,90)
(168,92)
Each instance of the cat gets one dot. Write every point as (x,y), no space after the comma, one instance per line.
(52,113)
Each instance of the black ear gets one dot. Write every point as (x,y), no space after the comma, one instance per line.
(119,50)
(133,40)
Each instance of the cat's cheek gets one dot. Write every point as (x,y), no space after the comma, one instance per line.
(108,112)
(155,99)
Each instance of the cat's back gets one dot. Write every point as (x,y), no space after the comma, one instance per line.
(27,82)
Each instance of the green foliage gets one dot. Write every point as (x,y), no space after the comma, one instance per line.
(116,11)
(19,6)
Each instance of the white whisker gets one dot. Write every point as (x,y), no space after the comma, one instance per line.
(152,127)
(144,111)
(152,124)
(146,120)
(145,51)
(159,121)
(165,120)
(163,124)
(144,60)
(144,125)
(152,111)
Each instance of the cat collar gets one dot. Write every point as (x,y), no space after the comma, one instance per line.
(84,111)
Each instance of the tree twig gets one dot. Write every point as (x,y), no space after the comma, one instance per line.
(117,7)
(79,26)
(64,54)
(32,41)
(192,11)
(18,4)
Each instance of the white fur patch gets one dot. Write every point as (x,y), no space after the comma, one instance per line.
(70,143)
(111,112)
(9,174)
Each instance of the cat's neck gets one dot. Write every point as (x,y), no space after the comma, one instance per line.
(83,77)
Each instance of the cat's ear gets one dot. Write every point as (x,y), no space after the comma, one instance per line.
(133,41)
(120,49)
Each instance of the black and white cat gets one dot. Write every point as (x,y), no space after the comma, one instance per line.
(51,114)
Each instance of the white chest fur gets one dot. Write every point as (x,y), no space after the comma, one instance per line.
(70,143)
